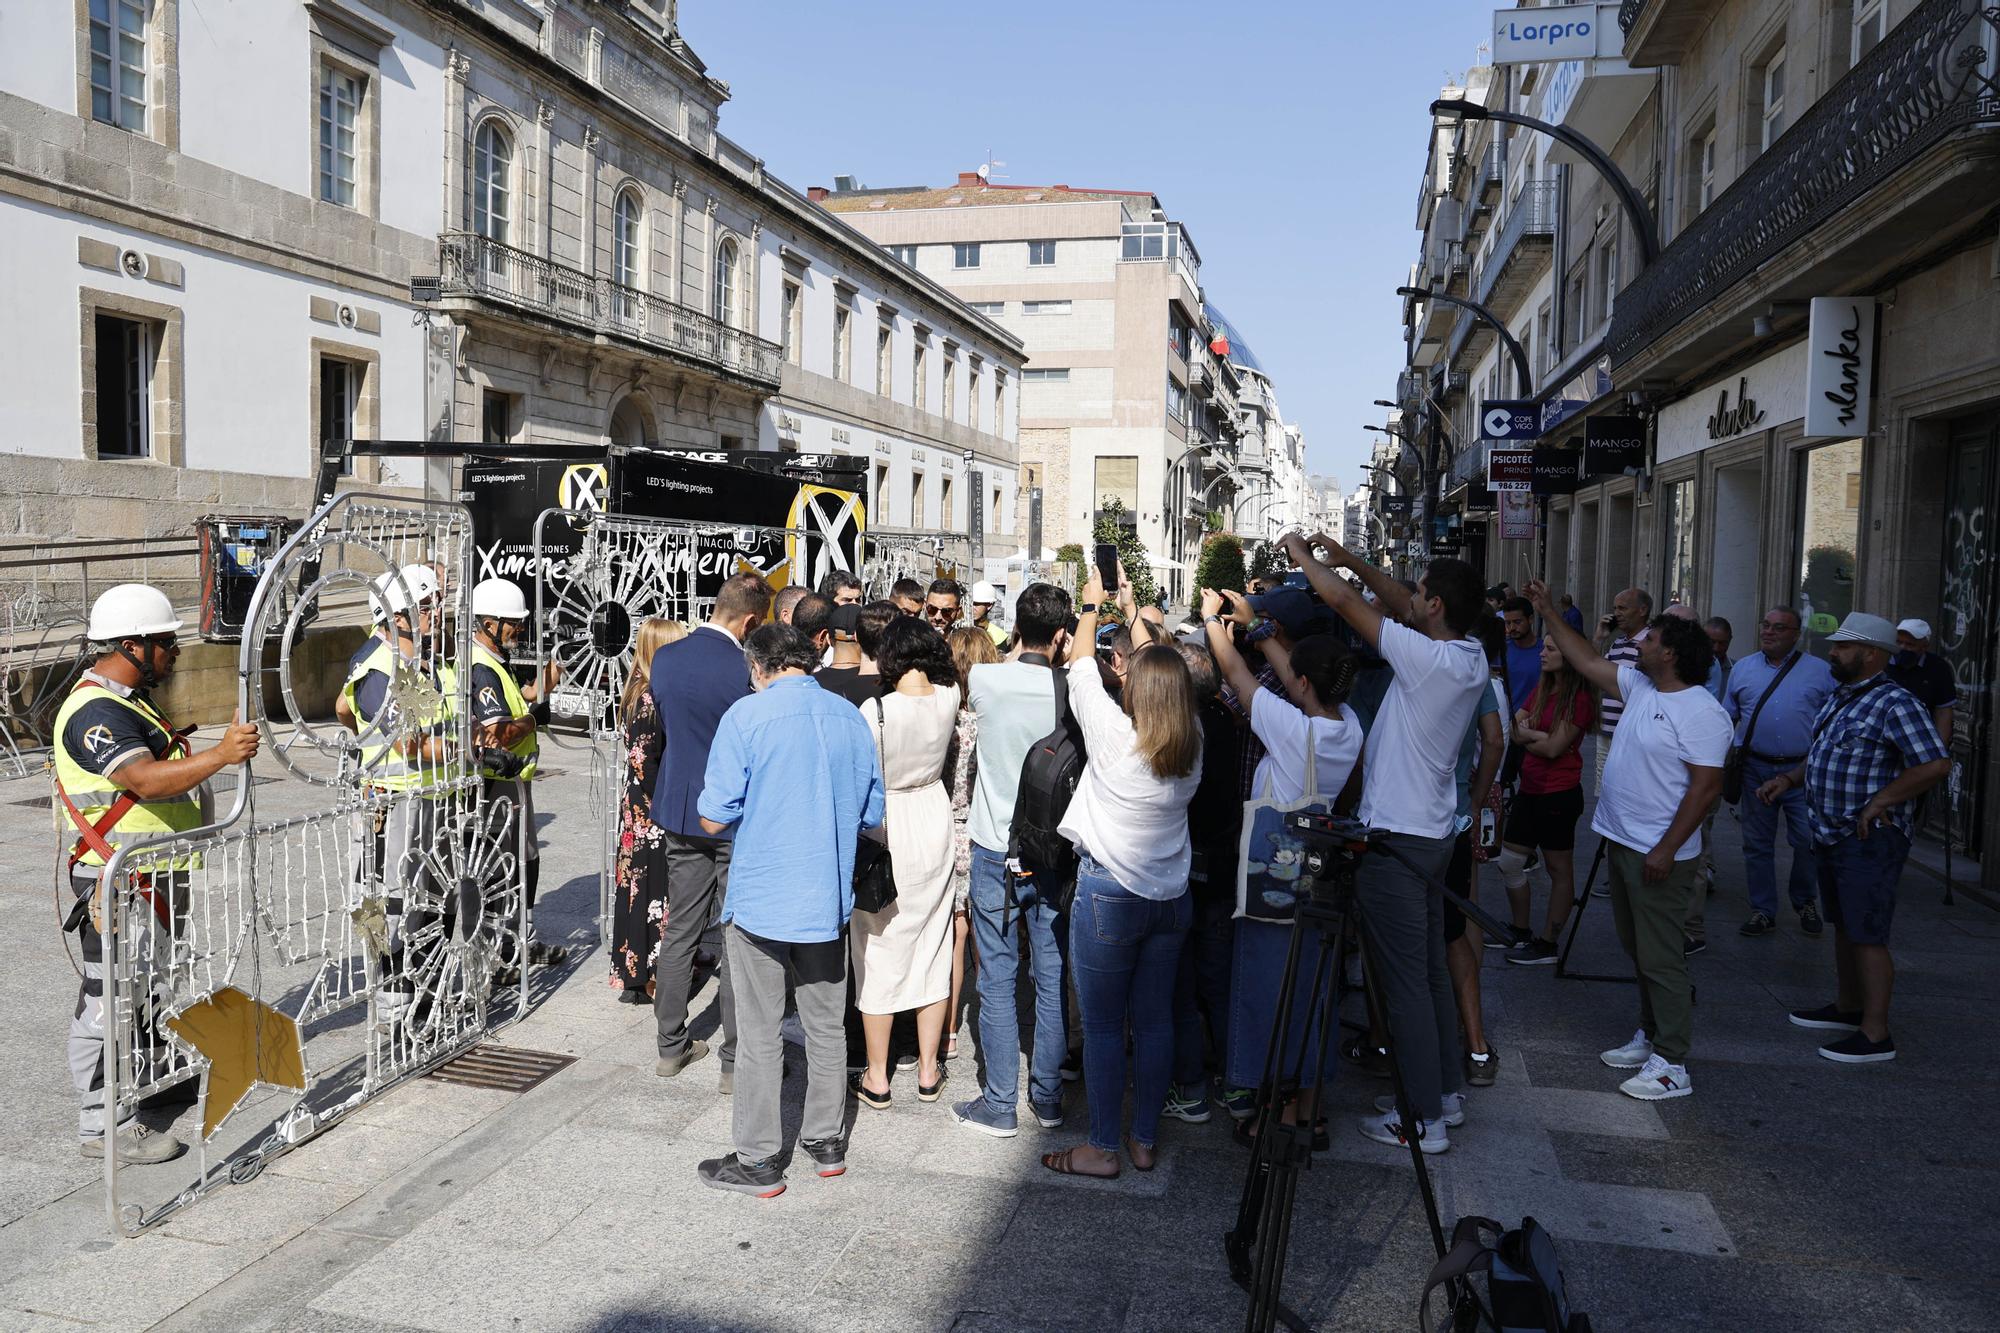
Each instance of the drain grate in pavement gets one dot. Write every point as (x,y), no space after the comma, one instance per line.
(508,1068)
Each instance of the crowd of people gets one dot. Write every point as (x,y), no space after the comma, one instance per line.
(1153,907)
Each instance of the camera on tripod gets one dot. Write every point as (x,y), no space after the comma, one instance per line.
(1333,842)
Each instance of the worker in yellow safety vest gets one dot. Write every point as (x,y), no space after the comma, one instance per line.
(123,771)
(401,695)
(504,722)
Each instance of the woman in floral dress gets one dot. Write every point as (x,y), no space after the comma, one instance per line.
(970,646)
(639,905)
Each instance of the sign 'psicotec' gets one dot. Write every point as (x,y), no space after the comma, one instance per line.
(1611,445)
(1554,32)
(1502,420)
(1510,469)
(1840,367)
(1558,471)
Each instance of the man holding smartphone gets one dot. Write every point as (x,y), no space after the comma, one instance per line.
(1409,788)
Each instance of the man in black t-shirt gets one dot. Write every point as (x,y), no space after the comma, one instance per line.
(1925,674)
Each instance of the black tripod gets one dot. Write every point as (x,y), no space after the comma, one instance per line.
(1331,914)
(1576,923)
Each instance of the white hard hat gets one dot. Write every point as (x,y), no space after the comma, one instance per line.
(983,591)
(378,596)
(499,598)
(410,586)
(131,611)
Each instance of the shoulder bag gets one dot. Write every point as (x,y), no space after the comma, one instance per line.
(1271,874)
(1732,767)
(874,868)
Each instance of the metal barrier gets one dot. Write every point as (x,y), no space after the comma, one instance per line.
(602,576)
(328,956)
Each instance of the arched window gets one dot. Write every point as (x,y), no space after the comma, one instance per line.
(726,282)
(492,168)
(626,215)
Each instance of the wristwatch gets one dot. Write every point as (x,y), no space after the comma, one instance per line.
(1217,619)
(1087,609)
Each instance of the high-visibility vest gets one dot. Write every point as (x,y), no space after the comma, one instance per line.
(93,794)
(529,747)
(382,764)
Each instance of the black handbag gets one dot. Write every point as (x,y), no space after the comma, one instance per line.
(874,868)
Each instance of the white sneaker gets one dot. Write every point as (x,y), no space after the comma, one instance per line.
(1658,1081)
(1454,1107)
(1431,1136)
(1632,1055)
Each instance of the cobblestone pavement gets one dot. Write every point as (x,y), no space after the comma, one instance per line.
(1787,1193)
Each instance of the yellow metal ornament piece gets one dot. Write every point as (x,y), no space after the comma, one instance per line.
(245,1042)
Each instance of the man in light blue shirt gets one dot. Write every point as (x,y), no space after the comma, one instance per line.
(793,771)
(1777,743)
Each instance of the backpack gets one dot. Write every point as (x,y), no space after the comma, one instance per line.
(1524,1282)
(1048,780)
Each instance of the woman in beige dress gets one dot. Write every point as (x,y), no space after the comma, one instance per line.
(902,956)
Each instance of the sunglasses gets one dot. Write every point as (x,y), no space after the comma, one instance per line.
(940,613)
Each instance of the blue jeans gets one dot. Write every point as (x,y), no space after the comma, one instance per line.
(1126,951)
(1760,831)
(1201,988)
(994,922)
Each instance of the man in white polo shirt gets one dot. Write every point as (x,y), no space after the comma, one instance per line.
(1409,787)
(1662,779)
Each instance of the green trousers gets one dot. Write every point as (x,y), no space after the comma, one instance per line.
(1651,918)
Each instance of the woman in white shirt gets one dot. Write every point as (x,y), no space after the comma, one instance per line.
(1128,822)
(1311,718)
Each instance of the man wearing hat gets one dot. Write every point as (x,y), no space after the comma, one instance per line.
(1925,674)
(1874,751)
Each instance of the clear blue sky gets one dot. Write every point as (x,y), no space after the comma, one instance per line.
(1286,135)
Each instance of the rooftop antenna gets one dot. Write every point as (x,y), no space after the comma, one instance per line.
(988,172)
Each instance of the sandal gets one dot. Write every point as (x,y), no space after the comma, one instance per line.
(874,1101)
(1061,1163)
(928,1092)
(1133,1148)
(951,1046)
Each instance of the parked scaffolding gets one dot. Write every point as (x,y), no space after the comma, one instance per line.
(287,972)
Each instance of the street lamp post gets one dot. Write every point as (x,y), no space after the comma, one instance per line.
(1523,381)
(1628,194)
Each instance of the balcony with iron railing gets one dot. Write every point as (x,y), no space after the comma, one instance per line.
(487,271)
(1521,249)
(1934,77)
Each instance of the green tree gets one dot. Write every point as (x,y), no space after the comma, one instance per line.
(1111,527)
(1221,563)
(1070,553)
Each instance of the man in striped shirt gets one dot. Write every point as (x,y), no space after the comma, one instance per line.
(1619,636)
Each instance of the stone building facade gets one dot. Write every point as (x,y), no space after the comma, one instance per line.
(1788,155)
(1122,396)
(217,239)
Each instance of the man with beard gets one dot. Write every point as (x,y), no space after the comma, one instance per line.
(1874,751)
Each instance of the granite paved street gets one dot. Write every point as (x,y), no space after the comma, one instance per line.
(1787,1193)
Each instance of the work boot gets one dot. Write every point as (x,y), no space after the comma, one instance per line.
(670,1065)
(137,1146)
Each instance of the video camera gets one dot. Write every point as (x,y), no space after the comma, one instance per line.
(1333,843)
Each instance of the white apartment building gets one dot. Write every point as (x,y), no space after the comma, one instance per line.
(1119,397)
(230,233)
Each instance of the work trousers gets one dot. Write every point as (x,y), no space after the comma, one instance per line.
(818,977)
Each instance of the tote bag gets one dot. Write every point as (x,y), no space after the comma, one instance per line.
(1271,873)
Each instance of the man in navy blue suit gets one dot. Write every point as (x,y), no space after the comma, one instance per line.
(694,682)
